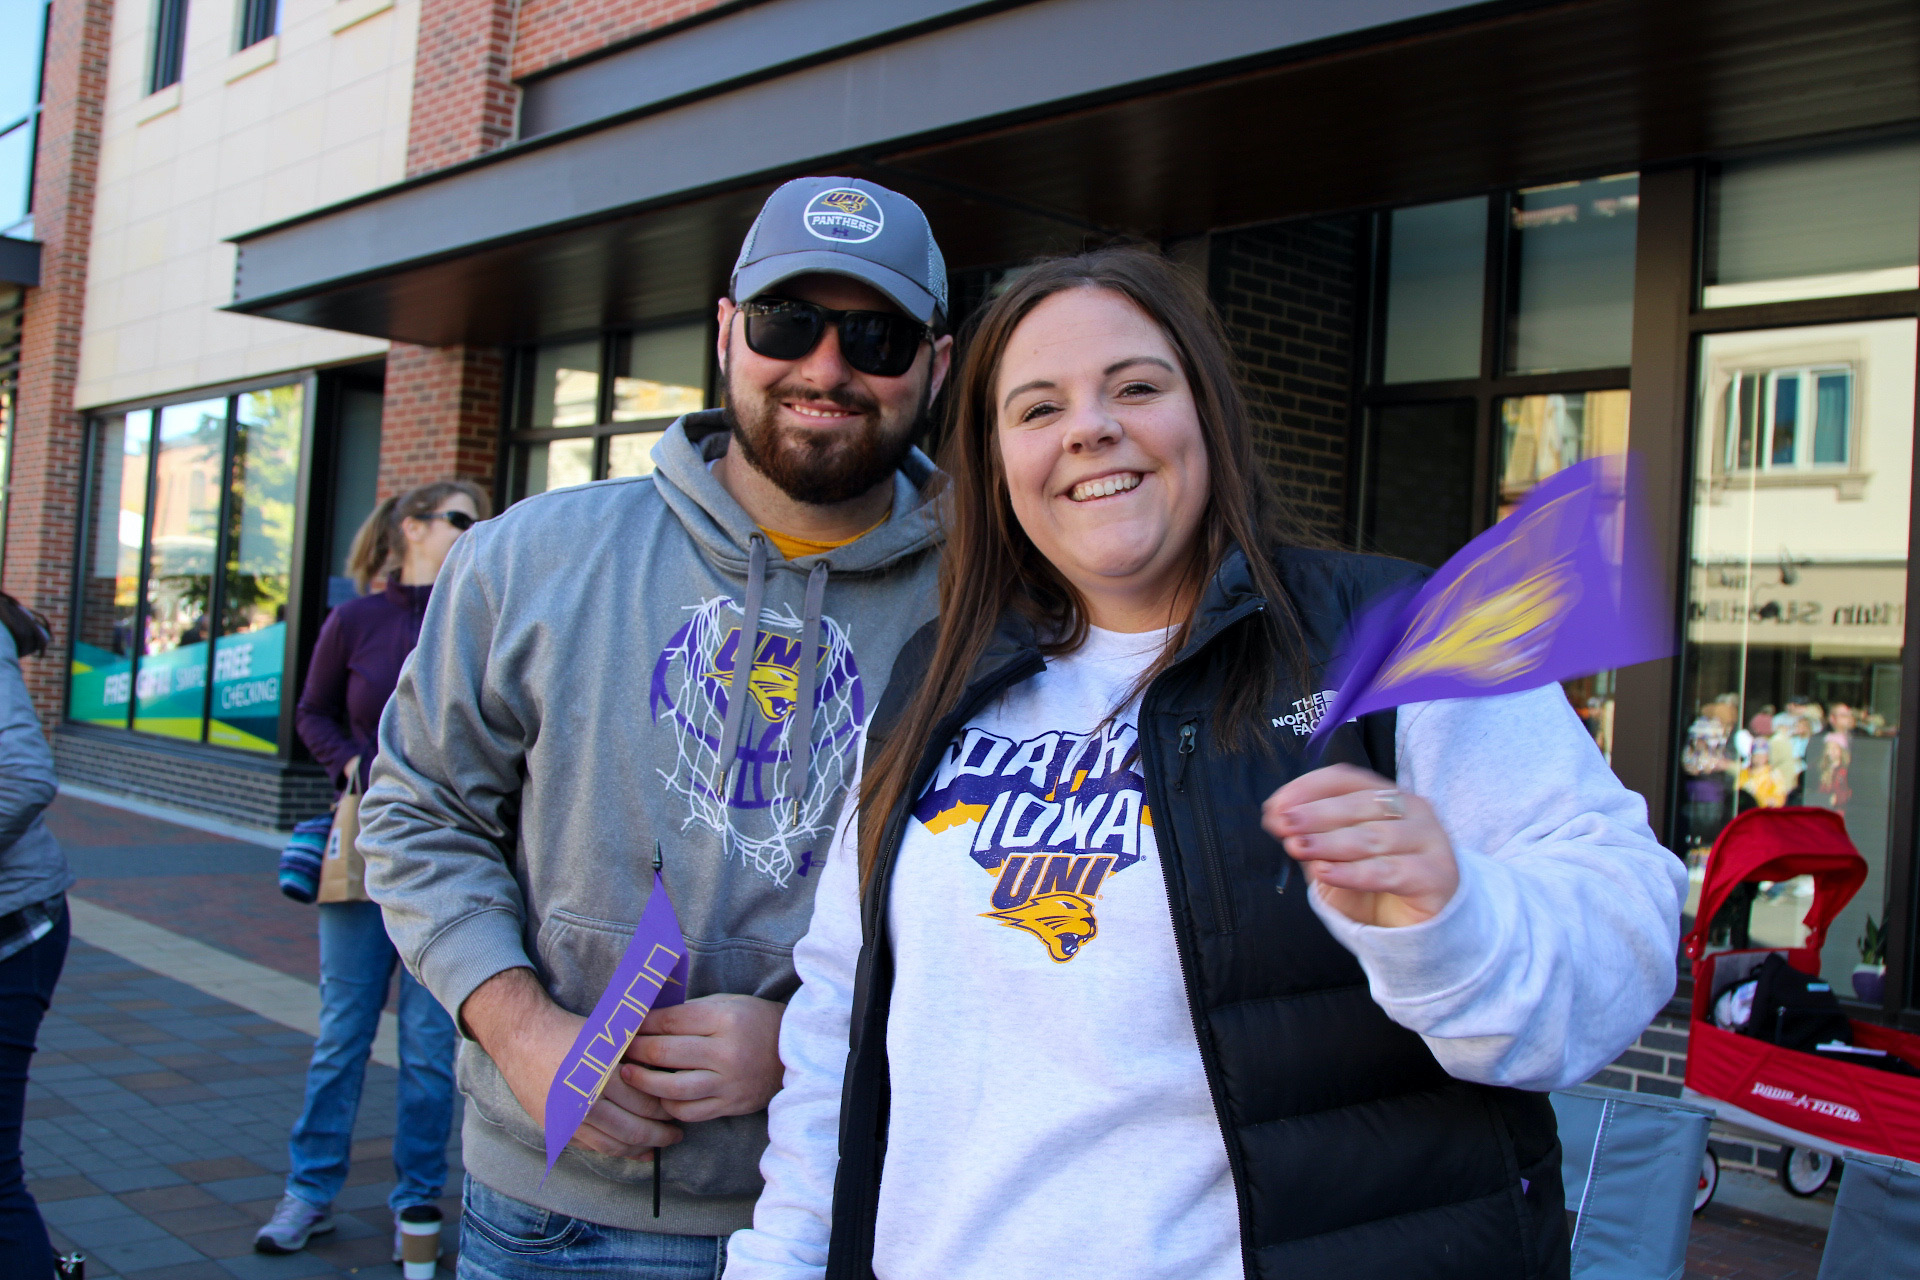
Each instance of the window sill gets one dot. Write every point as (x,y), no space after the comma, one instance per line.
(158,104)
(263,53)
(1852,485)
(351,13)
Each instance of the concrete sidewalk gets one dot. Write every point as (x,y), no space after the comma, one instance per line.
(157,1119)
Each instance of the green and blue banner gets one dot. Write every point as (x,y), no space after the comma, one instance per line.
(170,689)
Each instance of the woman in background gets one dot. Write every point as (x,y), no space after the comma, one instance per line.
(356,663)
(34,879)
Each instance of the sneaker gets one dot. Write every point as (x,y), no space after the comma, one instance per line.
(416,1240)
(292,1222)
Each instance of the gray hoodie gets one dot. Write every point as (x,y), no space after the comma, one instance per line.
(566,708)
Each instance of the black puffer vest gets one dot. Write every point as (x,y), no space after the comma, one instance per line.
(1353,1153)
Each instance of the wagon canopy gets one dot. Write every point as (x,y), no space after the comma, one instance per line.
(1779,844)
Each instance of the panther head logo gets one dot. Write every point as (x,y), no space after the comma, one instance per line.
(845,201)
(1061,920)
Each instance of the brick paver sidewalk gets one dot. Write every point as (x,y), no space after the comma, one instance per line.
(156,1136)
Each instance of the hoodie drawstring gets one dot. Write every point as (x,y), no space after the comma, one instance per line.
(800,737)
(743,657)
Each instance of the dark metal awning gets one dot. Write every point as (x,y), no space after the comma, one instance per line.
(1038,126)
(19,261)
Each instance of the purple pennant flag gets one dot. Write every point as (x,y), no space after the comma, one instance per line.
(651,975)
(1561,588)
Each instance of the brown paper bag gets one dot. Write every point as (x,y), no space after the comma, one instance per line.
(343,874)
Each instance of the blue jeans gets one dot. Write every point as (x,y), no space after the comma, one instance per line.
(27,978)
(506,1239)
(356,962)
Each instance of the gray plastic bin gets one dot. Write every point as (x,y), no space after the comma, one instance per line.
(1876,1222)
(1631,1163)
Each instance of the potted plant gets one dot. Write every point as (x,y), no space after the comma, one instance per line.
(1870,975)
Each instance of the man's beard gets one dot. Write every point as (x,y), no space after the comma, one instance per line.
(822,467)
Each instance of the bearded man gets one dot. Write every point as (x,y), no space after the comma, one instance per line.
(686,658)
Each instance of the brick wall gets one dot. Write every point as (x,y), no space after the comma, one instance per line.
(259,792)
(48,436)
(1657,1064)
(1287,295)
(464,104)
(441,418)
(551,32)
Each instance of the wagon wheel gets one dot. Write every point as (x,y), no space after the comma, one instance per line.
(1709,1180)
(1804,1172)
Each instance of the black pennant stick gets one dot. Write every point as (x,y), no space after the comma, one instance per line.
(656,1150)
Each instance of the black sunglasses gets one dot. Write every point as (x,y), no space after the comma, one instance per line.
(880,343)
(458,519)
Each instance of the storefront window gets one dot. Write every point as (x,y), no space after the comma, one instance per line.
(578,428)
(170,688)
(1823,225)
(1572,291)
(259,570)
(102,680)
(1436,281)
(1796,619)
(566,385)
(1539,436)
(188,556)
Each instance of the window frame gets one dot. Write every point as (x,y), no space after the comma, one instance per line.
(166,59)
(298,609)
(256,20)
(1670,320)
(1486,391)
(516,434)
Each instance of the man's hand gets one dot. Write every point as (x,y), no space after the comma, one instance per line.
(527,1034)
(721,1056)
(1372,867)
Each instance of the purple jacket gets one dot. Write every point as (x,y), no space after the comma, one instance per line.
(356,663)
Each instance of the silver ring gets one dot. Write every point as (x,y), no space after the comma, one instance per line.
(1392,804)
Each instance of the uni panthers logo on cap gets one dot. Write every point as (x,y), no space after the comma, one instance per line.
(845,215)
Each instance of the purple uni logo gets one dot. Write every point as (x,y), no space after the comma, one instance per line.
(844,215)
(1054,816)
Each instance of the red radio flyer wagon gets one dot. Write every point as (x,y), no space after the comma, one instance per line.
(1820,1108)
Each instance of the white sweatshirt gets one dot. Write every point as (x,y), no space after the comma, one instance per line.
(1050,1113)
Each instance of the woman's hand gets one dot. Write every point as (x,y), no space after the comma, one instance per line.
(1379,854)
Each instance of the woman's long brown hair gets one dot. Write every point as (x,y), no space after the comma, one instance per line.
(991,567)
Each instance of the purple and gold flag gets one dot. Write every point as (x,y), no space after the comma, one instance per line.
(1561,588)
(651,975)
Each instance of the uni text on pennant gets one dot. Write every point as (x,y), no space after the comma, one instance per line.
(652,974)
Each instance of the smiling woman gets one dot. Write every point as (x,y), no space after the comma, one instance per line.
(1105,463)
(1109,718)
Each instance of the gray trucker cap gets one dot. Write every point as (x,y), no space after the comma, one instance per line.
(847,227)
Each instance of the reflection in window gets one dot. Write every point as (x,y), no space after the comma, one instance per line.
(632,454)
(1540,436)
(556,465)
(1824,225)
(1543,435)
(100,685)
(1788,419)
(247,658)
(660,373)
(1796,615)
(163,626)
(170,687)
(578,427)
(566,385)
(1435,281)
(1573,252)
